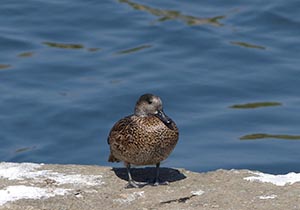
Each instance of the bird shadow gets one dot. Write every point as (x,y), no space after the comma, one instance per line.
(148,174)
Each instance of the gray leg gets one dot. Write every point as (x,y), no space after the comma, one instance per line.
(157,181)
(131,183)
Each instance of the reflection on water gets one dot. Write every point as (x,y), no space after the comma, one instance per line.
(26,54)
(93,49)
(255,105)
(165,15)
(135,49)
(63,45)
(115,81)
(247,45)
(268,136)
(4,66)
(25,149)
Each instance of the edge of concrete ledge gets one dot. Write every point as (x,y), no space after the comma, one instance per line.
(51,186)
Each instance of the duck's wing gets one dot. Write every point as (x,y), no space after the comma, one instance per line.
(119,129)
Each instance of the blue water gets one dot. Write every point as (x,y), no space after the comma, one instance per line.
(70,69)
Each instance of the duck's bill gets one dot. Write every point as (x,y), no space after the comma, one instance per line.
(163,117)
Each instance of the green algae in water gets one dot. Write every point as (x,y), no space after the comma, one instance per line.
(26,54)
(255,105)
(135,49)
(258,136)
(167,15)
(93,49)
(248,45)
(63,45)
(4,66)
(25,149)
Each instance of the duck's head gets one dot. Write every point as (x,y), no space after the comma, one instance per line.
(149,104)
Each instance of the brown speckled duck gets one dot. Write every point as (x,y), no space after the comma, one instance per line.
(145,138)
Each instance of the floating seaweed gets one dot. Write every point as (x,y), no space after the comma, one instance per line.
(93,49)
(247,45)
(135,49)
(26,54)
(165,15)
(255,105)
(257,136)
(25,149)
(4,66)
(63,45)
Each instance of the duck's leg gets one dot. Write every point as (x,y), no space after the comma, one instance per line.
(157,181)
(131,182)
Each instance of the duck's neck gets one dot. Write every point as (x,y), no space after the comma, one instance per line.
(139,112)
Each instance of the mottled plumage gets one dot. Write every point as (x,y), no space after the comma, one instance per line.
(145,138)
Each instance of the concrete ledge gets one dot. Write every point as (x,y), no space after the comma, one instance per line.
(40,186)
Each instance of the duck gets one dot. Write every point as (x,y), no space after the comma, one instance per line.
(146,137)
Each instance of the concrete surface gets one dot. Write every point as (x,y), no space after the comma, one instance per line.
(29,186)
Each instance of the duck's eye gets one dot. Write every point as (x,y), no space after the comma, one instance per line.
(149,102)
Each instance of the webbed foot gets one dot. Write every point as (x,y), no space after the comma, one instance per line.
(133,184)
(158,182)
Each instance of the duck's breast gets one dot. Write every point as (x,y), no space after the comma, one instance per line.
(142,140)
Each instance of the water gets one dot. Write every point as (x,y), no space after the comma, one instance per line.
(70,69)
